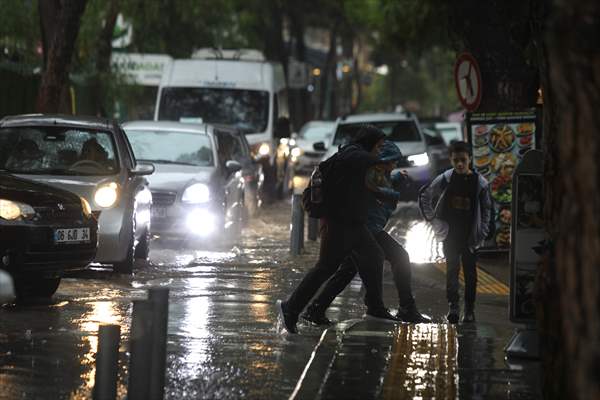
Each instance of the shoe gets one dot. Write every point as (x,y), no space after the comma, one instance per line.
(453,313)
(318,319)
(289,320)
(469,316)
(411,314)
(380,314)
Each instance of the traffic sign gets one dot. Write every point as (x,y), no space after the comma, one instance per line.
(467,78)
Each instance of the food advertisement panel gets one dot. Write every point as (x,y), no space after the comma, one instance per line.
(499,143)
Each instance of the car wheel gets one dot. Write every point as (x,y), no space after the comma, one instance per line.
(126,266)
(36,287)
(142,250)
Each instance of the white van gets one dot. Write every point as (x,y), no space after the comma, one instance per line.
(233,88)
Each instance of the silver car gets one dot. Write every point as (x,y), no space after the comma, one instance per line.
(308,145)
(92,158)
(198,186)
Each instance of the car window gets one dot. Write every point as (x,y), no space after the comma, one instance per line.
(171,147)
(247,110)
(229,147)
(432,138)
(57,151)
(397,131)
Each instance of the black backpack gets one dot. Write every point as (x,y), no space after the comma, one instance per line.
(492,222)
(320,192)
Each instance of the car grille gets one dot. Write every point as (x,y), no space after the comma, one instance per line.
(68,212)
(163,198)
(313,154)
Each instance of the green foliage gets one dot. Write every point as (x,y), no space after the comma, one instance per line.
(19,30)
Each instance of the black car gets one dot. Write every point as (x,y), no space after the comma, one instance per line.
(44,232)
(233,144)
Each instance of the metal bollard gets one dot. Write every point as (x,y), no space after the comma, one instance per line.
(141,357)
(313,228)
(160,299)
(107,361)
(297,228)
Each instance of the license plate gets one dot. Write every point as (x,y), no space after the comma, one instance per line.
(159,212)
(72,235)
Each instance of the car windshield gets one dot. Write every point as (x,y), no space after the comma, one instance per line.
(397,131)
(248,110)
(57,151)
(315,132)
(171,147)
(449,134)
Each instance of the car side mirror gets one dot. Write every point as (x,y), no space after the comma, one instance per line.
(319,146)
(282,128)
(233,166)
(142,169)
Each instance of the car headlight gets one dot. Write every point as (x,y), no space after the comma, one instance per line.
(85,206)
(106,195)
(196,194)
(296,152)
(264,149)
(12,210)
(419,160)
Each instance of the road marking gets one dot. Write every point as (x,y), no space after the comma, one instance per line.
(486,283)
(423,363)
(306,368)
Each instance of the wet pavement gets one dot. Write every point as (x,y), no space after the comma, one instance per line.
(224,341)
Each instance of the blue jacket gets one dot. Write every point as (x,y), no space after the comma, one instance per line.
(382,206)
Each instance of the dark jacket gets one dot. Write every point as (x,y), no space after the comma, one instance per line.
(352,196)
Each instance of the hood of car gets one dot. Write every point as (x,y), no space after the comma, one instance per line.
(33,193)
(84,186)
(411,148)
(307,145)
(175,178)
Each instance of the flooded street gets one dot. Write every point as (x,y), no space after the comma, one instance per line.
(223,337)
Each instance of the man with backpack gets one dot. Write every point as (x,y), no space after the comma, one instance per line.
(343,229)
(459,206)
(386,187)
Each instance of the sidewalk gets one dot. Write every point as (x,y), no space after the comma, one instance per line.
(360,359)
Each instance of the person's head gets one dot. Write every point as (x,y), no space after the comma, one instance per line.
(92,150)
(27,149)
(460,157)
(390,153)
(370,138)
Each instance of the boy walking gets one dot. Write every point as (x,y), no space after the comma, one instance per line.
(458,205)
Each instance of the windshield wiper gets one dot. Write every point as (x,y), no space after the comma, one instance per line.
(48,171)
(160,161)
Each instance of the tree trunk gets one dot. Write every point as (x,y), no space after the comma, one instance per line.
(573,179)
(498,34)
(49,11)
(273,34)
(299,96)
(61,49)
(103,53)
(328,74)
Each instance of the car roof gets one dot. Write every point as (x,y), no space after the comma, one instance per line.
(374,117)
(75,121)
(167,126)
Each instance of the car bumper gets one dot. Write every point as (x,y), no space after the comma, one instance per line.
(27,250)
(306,164)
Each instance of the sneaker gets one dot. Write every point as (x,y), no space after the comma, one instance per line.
(315,318)
(453,313)
(380,314)
(411,314)
(289,320)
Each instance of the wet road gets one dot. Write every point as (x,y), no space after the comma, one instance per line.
(223,338)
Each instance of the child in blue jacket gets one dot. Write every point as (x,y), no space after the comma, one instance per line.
(385,188)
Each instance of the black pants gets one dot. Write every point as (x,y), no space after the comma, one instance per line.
(393,252)
(337,242)
(454,252)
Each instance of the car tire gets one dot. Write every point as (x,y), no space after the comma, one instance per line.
(36,287)
(126,265)
(142,250)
